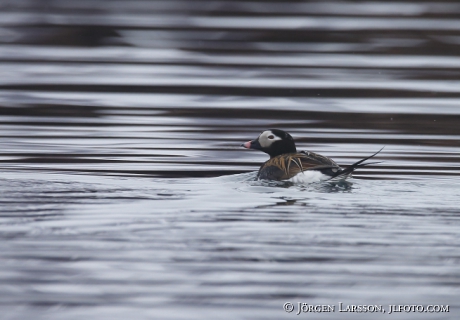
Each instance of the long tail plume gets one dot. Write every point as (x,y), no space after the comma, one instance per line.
(356,165)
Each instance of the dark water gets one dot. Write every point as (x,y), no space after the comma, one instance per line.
(125,193)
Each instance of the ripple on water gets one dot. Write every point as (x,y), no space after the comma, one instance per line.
(124,192)
(275,243)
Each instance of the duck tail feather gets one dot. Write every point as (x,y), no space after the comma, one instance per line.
(356,165)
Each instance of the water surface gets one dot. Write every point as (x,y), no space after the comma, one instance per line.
(125,192)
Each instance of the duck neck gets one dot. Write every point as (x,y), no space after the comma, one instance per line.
(282,149)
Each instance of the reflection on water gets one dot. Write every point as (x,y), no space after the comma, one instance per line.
(124,190)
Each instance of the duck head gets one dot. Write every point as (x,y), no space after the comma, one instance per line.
(273,142)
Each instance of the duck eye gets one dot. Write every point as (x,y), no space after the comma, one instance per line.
(271,137)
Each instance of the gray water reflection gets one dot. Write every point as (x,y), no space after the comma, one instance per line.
(124,190)
(151,245)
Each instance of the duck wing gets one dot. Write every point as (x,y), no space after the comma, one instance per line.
(286,166)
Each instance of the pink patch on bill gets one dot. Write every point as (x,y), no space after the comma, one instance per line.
(247,145)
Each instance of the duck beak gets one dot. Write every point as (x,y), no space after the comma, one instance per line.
(254,144)
(247,145)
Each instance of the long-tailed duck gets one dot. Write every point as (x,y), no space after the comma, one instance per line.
(286,163)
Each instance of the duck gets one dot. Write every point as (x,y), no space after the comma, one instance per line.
(288,164)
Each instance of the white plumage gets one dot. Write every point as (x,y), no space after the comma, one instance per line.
(309,176)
